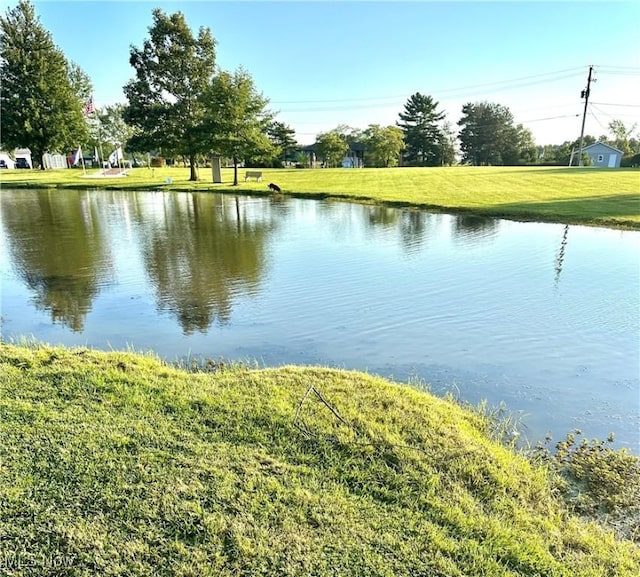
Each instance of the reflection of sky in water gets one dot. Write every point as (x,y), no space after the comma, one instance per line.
(542,316)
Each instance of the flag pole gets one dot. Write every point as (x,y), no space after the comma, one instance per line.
(120,154)
(100,144)
(91,109)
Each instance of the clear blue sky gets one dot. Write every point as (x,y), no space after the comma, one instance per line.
(327,63)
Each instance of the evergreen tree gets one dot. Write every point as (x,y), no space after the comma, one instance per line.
(423,133)
(174,71)
(40,98)
(283,138)
(489,137)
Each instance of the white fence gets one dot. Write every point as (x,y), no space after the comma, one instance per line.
(54,161)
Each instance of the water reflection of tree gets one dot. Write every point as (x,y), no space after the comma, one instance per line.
(411,224)
(382,216)
(414,228)
(59,249)
(474,227)
(202,253)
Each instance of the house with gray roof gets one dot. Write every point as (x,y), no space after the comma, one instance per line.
(603,155)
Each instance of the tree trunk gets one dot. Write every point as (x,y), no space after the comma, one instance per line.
(235,171)
(37,156)
(194,169)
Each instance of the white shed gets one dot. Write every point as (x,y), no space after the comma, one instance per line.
(603,155)
(8,161)
(23,153)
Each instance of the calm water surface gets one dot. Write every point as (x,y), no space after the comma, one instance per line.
(543,317)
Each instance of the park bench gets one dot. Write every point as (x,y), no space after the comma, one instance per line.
(253,174)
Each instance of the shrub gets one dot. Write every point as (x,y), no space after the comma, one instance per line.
(597,481)
(630,161)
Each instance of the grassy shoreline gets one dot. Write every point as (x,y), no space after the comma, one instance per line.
(588,196)
(116,463)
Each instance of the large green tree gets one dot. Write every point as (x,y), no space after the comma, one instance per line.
(331,147)
(622,139)
(488,136)
(41,94)
(166,99)
(80,83)
(349,134)
(421,123)
(383,145)
(238,119)
(448,143)
(526,145)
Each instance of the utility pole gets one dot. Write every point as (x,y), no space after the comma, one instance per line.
(584,94)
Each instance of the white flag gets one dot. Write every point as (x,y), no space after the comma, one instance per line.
(77,156)
(116,156)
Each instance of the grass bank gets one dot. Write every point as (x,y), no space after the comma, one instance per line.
(119,464)
(597,197)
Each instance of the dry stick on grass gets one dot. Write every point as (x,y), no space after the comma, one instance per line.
(312,389)
(304,428)
(377,445)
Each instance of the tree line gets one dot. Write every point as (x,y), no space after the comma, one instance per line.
(179,104)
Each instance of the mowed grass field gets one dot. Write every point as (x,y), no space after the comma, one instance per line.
(119,464)
(597,197)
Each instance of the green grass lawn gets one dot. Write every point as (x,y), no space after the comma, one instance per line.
(118,464)
(599,197)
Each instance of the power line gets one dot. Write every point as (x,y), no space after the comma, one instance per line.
(612,104)
(517,81)
(390,104)
(329,101)
(566,105)
(598,120)
(617,116)
(600,111)
(620,73)
(527,84)
(550,118)
(445,90)
(606,66)
(339,108)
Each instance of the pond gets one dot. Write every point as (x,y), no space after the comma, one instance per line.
(542,317)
